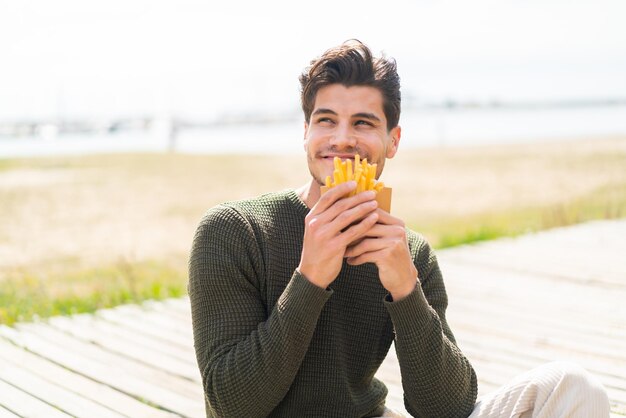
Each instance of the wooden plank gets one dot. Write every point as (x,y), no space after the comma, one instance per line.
(589,327)
(548,348)
(178,307)
(157,377)
(85,387)
(503,314)
(501,364)
(452,268)
(142,327)
(520,303)
(504,350)
(146,355)
(159,320)
(563,253)
(571,341)
(182,305)
(25,405)
(537,255)
(528,293)
(5,413)
(499,369)
(108,370)
(493,369)
(113,331)
(599,367)
(64,400)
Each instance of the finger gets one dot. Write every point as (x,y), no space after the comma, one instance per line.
(333,195)
(365,246)
(369,257)
(385,218)
(344,205)
(359,229)
(367,251)
(345,219)
(379,230)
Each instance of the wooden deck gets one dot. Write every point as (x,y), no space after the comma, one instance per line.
(514,304)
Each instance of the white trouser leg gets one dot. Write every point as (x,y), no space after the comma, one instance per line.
(554,390)
(391,413)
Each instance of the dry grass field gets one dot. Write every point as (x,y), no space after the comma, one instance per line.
(81,233)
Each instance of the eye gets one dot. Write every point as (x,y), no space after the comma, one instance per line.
(363,122)
(325,120)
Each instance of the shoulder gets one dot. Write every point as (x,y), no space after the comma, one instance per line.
(246,214)
(285,200)
(221,220)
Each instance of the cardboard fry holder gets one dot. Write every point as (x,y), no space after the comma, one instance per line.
(383,197)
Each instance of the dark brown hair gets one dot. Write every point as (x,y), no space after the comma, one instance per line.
(352,64)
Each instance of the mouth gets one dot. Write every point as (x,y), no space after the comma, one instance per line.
(329,161)
(343,157)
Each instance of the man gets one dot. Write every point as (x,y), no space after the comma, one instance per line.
(296,297)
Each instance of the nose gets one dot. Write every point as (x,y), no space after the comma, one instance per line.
(344,137)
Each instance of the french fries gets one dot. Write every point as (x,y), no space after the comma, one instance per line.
(362,173)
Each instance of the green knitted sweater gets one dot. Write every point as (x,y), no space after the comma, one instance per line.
(271,344)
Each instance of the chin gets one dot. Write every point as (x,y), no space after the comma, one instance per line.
(318,175)
(325,167)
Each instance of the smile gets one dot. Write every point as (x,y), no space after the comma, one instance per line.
(341,156)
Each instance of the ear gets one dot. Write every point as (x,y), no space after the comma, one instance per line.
(304,141)
(394,141)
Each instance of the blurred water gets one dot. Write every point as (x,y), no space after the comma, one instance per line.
(479,126)
(420,128)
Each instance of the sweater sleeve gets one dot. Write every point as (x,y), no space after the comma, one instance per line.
(247,359)
(437,379)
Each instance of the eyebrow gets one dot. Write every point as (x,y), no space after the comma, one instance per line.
(363,115)
(322,110)
(366,115)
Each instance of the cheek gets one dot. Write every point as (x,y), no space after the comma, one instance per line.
(311,141)
(373,146)
(315,141)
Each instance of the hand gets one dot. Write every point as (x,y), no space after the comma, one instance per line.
(386,246)
(331,225)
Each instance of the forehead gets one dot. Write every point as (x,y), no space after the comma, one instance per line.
(350,100)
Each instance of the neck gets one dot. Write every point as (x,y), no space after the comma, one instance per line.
(309,193)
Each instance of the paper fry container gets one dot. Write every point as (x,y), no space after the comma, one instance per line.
(383,197)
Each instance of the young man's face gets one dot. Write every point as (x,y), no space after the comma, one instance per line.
(346,121)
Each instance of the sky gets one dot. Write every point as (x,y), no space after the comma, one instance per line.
(202,59)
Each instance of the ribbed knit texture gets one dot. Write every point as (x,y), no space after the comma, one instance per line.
(271,344)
